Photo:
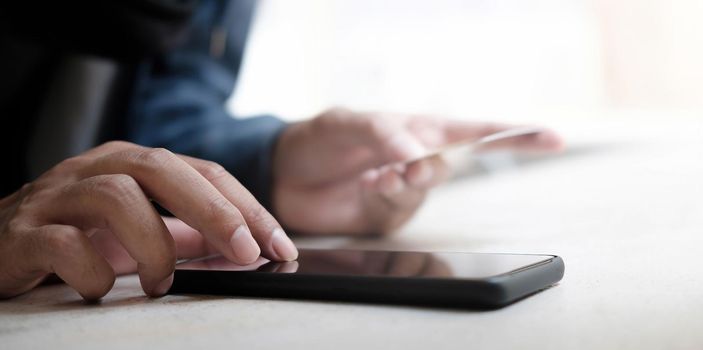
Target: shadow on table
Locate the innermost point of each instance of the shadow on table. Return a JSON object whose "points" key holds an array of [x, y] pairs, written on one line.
{"points": [[61, 298]]}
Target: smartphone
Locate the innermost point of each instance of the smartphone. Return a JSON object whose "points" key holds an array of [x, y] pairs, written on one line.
{"points": [[441, 279]]}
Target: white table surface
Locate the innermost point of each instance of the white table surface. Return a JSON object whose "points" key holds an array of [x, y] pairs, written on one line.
{"points": [[624, 209]]}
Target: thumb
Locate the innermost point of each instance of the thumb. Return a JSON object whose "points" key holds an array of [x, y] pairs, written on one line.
{"points": [[400, 146]]}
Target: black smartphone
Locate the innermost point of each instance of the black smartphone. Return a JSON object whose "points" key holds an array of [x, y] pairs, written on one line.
{"points": [[464, 280]]}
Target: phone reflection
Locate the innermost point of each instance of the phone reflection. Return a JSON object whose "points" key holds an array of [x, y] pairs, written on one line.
{"points": [[339, 262]]}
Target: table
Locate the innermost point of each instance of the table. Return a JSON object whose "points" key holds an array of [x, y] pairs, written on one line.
{"points": [[624, 208]]}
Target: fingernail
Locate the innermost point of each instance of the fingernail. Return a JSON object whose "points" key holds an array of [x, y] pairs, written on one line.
{"points": [[163, 286], [245, 248], [283, 246]]}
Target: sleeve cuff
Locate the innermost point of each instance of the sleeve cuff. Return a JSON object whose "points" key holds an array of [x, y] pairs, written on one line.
{"points": [[248, 154]]}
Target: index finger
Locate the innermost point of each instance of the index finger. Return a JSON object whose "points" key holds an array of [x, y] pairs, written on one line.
{"points": [[178, 187], [460, 131], [266, 230], [274, 243]]}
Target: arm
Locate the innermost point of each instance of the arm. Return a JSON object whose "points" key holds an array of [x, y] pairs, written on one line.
{"points": [[179, 102]]}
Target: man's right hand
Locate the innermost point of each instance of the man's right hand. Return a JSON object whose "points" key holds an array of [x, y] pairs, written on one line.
{"points": [[104, 194]]}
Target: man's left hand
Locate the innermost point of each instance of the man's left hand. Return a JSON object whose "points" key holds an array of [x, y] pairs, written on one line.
{"points": [[330, 175]]}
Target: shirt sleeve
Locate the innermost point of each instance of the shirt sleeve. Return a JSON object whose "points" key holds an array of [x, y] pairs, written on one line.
{"points": [[179, 100]]}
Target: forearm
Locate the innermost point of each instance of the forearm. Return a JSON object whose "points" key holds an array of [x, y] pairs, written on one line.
{"points": [[243, 146], [180, 96]]}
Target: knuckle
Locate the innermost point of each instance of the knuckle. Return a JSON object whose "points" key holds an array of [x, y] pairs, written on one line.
{"points": [[69, 165], [30, 206], [26, 189], [75, 162], [220, 208], [258, 215], [66, 241], [15, 225], [116, 144], [120, 187], [323, 121], [40, 185], [157, 157], [26, 207], [213, 171], [331, 117], [69, 244], [337, 111], [379, 127]]}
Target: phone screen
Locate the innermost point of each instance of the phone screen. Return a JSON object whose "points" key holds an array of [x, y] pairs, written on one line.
{"points": [[382, 263]]}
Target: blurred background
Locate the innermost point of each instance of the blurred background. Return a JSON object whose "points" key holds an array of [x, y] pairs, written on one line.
{"points": [[510, 60]]}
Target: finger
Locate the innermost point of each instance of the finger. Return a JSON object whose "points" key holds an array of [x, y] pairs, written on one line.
{"points": [[390, 183], [116, 203], [418, 174], [369, 178], [397, 192], [400, 145], [67, 252], [113, 251], [385, 134], [190, 243], [458, 131], [427, 173], [178, 187], [272, 240], [390, 202], [544, 141], [109, 148], [239, 247], [393, 198]]}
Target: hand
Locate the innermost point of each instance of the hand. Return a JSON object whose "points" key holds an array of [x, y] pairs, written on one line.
{"points": [[329, 174], [90, 217]]}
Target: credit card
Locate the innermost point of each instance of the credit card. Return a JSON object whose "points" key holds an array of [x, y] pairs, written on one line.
{"points": [[470, 146]]}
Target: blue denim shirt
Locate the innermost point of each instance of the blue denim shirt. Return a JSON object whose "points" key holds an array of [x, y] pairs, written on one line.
{"points": [[179, 99]]}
